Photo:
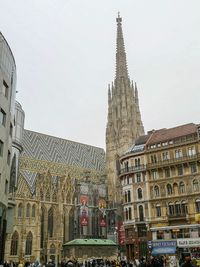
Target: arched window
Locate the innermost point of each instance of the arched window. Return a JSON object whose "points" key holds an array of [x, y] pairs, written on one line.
{"points": [[184, 207], [197, 202], [182, 187], [14, 243], [195, 185], [177, 208], [171, 208], [20, 210], [139, 193], [28, 209], [50, 222], [156, 191], [169, 189], [158, 210], [52, 249], [141, 213], [33, 211], [29, 241], [47, 197]]}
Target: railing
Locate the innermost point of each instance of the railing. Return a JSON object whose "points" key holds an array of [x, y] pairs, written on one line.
{"points": [[132, 169], [176, 216], [173, 161]]}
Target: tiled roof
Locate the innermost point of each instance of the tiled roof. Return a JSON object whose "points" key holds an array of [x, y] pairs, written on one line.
{"points": [[54, 149], [172, 133]]}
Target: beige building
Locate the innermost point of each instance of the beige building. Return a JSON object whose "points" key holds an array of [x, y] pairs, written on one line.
{"points": [[160, 176]]}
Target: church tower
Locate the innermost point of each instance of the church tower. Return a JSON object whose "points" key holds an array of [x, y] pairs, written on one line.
{"points": [[124, 122]]}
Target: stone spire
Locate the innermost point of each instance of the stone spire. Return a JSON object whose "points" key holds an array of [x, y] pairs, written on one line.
{"points": [[124, 124]]}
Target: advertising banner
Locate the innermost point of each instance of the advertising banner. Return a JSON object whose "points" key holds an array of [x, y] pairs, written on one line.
{"points": [[188, 242], [163, 247], [121, 233]]}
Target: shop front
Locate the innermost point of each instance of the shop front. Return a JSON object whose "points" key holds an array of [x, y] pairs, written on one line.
{"points": [[189, 245]]}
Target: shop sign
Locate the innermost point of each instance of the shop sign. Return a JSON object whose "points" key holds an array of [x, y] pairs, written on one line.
{"points": [[163, 247], [188, 242]]}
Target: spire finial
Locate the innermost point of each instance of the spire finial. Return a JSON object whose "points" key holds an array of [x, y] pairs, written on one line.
{"points": [[118, 19]]}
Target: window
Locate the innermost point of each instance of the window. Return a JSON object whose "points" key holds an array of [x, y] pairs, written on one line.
{"points": [[154, 174], [129, 213], [169, 189], [20, 210], [50, 222], [126, 214], [180, 170], [142, 231], [137, 162], [138, 177], [156, 191], [167, 172], [8, 157], [139, 193], [177, 208], [171, 208], [184, 207], [5, 89], [29, 240], [165, 155], [125, 197], [193, 167], [28, 209], [129, 196], [2, 117], [195, 185], [33, 211], [153, 159], [6, 186], [197, 202], [191, 151], [182, 187], [141, 213], [178, 154], [14, 243], [1, 148], [158, 210]]}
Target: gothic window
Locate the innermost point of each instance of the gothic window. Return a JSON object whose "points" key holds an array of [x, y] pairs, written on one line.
{"points": [[141, 213], [54, 197], [42, 229], [52, 249], [171, 208], [197, 202], [156, 191], [50, 222], [33, 211], [41, 194], [177, 208], [28, 208], [158, 210], [184, 207], [29, 241], [195, 185], [20, 210], [139, 193], [182, 187], [14, 243], [169, 189], [47, 197]]}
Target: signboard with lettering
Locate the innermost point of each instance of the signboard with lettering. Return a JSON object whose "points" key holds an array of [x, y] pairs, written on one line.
{"points": [[163, 247], [188, 242]]}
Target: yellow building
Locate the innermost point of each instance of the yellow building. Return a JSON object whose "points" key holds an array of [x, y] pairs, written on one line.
{"points": [[162, 173]]}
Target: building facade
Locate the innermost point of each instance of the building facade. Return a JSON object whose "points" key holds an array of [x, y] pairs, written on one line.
{"points": [[55, 201], [160, 177], [10, 146], [124, 124]]}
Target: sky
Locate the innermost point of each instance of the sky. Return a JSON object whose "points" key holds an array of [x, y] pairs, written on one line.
{"points": [[65, 56]]}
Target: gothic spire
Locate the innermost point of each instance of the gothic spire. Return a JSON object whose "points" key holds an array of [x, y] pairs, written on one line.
{"points": [[121, 64]]}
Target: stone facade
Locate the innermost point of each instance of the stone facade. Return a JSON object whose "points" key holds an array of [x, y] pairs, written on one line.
{"points": [[160, 176], [124, 123]]}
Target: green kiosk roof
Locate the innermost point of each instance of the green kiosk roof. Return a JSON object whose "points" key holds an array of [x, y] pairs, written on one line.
{"points": [[90, 242]]}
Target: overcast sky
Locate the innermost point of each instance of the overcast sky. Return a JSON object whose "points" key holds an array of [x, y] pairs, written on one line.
{"points": [[65, 56]]}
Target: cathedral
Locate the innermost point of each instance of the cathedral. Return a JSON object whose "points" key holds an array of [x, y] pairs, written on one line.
{"points": [[67, 190]]}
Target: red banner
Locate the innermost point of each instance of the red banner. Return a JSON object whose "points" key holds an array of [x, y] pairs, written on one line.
{"points": [[84, 221], [102, 222], [121, 233]]}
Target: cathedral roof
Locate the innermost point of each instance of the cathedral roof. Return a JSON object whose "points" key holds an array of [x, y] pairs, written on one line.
{"points": [[50, 148]]}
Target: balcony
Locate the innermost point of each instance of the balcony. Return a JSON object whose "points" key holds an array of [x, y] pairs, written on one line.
{"points": [[177, 216], [174, 161], [132, 169]]}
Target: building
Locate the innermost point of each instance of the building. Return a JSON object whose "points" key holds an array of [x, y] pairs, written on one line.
{"points": [[160, 175], [54, 198], [124, 123], [10, 146]]}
